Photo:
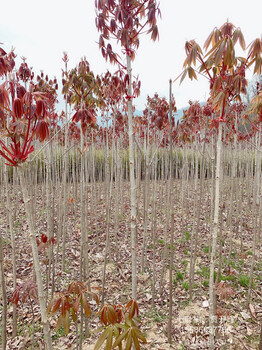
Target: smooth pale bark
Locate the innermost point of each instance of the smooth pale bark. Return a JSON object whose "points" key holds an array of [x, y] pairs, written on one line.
{"points": [[64, 204], [193, 243], [214, 232], [63, 217], [4, 297], [133, 217], [82, 205], [37, 268], [167, 207], [255, 211], [117, 194], [171, 184], [212, 180], [82, 229], [198, 200], [239, 200], [232, 193], [154, 235], [49, 217], [146, 185], [108, 183], [11, 229], [220, 237], [182, 197]]}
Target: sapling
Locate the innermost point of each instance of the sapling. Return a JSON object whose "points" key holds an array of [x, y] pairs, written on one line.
{"points": [[28, 120], [125, 20], [226, 74]]}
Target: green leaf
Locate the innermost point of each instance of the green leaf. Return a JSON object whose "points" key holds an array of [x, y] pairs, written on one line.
{"points": [[128, 322], [135, 339], [219, 53], [129, 341], [58, 323], [99, 329], [140, 335], [213, 48], [120, 338], [258, 65], [101, 339], [74, 315], [238, 36], [229, 58], [66, 322], [191, 73], [183, 76], [109, 339]]}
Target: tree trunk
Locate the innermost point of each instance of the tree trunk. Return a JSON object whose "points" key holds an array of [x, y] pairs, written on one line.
{"points": [[37, 268], [133, 218], [214, 243], [170, 311], [4, 297]]}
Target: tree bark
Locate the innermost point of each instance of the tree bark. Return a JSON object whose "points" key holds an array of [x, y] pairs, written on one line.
{"points": [[132, 179], [214, 243], [37, 268], [4, 297]]}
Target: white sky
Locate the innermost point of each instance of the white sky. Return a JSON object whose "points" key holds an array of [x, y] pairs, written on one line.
{"points": [[42, 30]]}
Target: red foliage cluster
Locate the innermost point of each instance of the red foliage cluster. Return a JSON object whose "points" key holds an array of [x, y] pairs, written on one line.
{"points": [[25, 292], [68, 302], [23, 113]]}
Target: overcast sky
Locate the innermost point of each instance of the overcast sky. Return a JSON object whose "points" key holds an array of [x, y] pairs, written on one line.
{"points": [[42, 30]]}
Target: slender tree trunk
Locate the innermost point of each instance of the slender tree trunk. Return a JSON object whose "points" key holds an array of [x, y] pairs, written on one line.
{"points": [[196, 230], [108, 205], [37, 268], [167, 207], [171, 180], [146, 184], [11, 228], [4, 297], [255, 211], [154, 235], [214, 242], [133, 218], [232, 193]]}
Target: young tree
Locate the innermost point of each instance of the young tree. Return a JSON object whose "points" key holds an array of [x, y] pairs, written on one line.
{"points": [[126, 20], [6, 65], [226, 74], [24, 117]]}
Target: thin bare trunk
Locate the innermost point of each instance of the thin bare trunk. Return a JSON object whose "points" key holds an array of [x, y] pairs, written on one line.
{"points": [[171, 180], [133, 217], [214, 232], [37, 269], [4, 297]]}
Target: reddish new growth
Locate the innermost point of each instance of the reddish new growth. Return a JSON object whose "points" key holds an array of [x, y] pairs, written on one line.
{"points": [[27, 119], [23, 114], [24, 292], [81, 89], [125, 20]]}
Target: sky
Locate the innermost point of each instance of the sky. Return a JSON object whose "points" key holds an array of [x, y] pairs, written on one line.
{"points": [[42, 30]]}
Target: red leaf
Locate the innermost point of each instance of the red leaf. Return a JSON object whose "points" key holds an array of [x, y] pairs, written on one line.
{"points": [[20, 91], [18, 109], [42, 130], [4, 97], [44, 238], [40, 108]]}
